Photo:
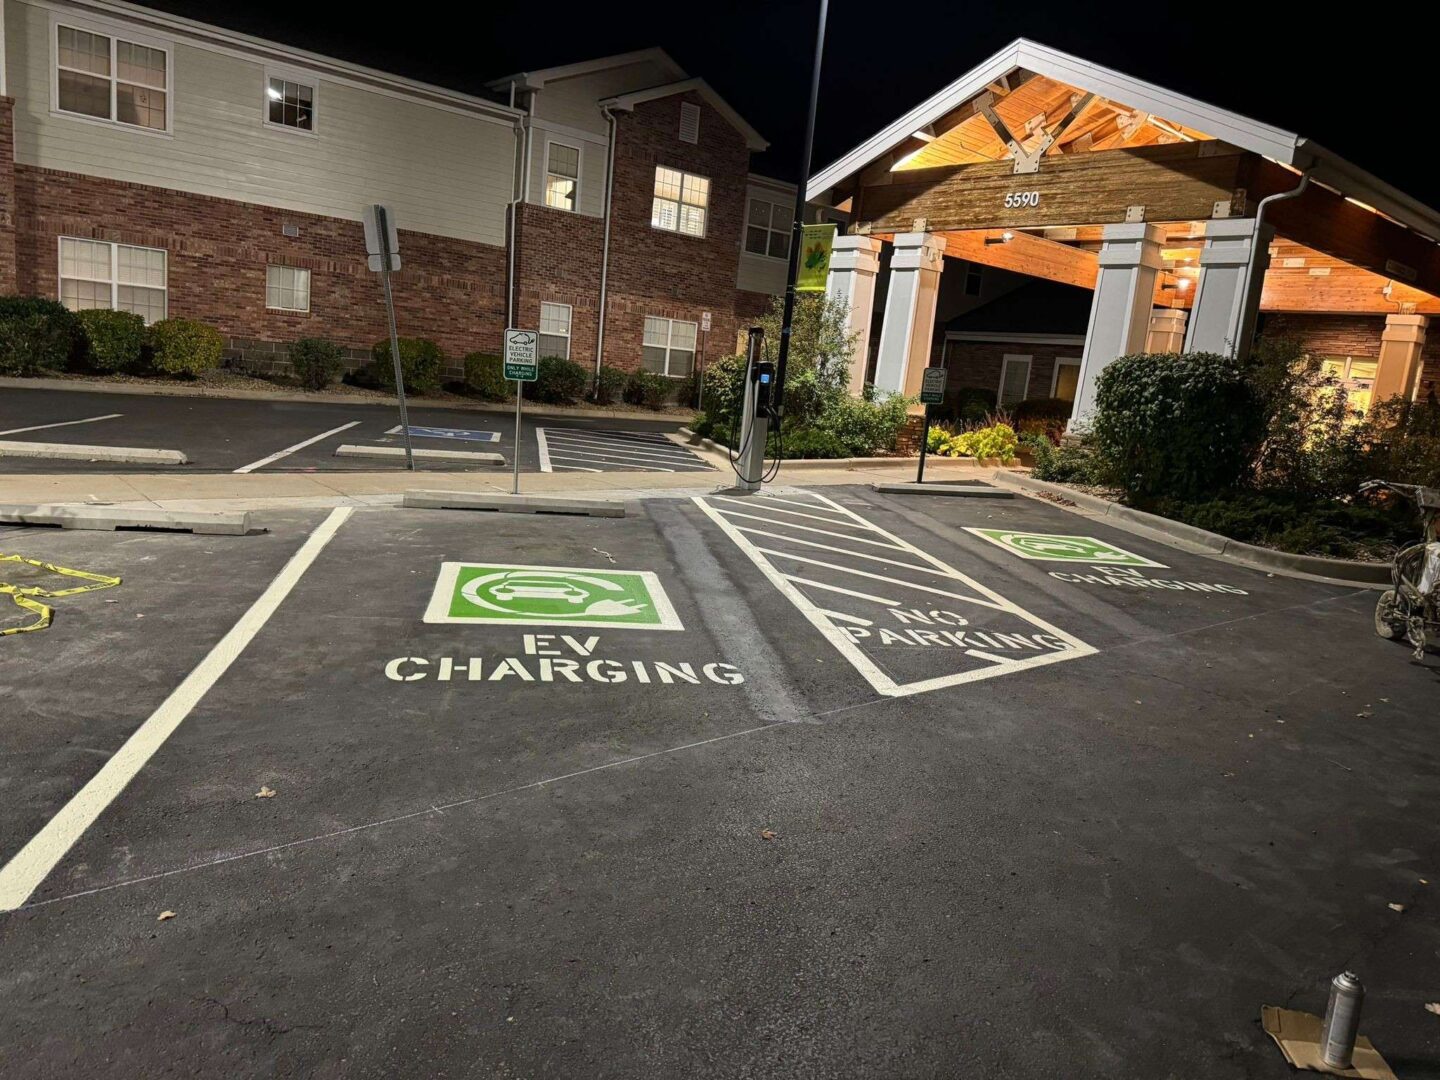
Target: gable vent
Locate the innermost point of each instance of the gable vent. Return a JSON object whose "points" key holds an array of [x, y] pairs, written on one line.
{"points": [[689, 122]]}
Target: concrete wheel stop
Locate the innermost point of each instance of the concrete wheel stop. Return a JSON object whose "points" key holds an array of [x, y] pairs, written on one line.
{"points": [[511, 504], [421, 454], [104, 518], [973, 491]]}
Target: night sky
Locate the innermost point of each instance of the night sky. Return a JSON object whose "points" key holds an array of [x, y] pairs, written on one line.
{"points": [[1360, 85]]}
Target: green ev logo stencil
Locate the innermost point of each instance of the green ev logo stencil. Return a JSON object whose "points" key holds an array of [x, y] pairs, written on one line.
{"points": [[1050, 547], [550, 596]]}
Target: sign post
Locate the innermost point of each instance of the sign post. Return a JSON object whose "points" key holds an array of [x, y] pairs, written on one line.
{"points": [[382, 245], [521, 365], [932, 392]]}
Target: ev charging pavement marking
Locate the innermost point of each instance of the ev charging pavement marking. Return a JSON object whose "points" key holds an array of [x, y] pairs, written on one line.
{"points": [[63, 423], [298, 446], [23, 874], [993, 635], [602, 449]]}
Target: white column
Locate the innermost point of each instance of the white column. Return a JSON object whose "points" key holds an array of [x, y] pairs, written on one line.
{"points": [[854, 262], [1227, 300], [1120, 313], [909, 324], [1167, 330]]}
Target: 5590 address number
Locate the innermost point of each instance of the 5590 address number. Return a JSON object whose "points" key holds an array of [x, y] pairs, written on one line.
{"points": [[1015, 199]]}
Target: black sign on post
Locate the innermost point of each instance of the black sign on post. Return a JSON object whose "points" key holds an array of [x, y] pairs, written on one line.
{"points": [[932, 392]]}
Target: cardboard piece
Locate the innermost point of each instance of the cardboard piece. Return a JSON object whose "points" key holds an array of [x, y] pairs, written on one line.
{"points": [[1298, 1036]]}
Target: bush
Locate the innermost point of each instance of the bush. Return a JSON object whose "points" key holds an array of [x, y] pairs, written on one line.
{"points": [[973, 404], [648, 389], [995, 441], [185, 346], [1188, 426], [863, 425], [317, 362], [115, 340], [560, 382], [813, 443], [36, 333], [703, 426], [610, 386], [1070, 463], [485, 376], [420, 364], [1300, 525]]}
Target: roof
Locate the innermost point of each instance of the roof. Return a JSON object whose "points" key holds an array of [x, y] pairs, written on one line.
{"points": [[1040, 307], [1279, 145], [534, 80], [626, 102]]}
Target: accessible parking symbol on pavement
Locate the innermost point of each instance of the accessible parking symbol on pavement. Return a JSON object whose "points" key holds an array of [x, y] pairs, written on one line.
{"points": [[550, 595], [1054, 547], [462, 434]]}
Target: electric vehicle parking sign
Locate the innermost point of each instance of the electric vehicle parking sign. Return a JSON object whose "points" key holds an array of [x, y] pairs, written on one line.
{"points": [[550, 596]]}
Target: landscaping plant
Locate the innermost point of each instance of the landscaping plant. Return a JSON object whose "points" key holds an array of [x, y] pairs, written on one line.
{"points": [[115, 340], [316, 362], [559, 381], [37, 334], [485, 375], [648, 389], [185, 347], [610, 385], [420, 364]]}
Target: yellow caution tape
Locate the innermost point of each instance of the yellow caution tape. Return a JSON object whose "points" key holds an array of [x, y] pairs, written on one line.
{"points": [[21, 594]]}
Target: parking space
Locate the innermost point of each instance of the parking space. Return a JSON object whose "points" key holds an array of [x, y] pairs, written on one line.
{"points": [[573, 448], [811, 784]]}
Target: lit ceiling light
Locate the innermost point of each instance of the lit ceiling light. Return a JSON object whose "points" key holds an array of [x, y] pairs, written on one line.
{"points": [[1004, 238], [1007, 236], [1184, 283]]}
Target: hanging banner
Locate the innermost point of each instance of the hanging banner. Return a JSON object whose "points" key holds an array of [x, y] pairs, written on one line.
{"points": [[815, 244]]}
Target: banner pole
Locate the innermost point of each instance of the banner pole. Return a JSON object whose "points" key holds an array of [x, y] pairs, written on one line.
{"points": [[515, 482]]}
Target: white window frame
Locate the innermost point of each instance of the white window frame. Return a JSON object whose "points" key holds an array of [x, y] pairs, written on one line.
{"points": [[1028, 360], [669, 340], [681, 203], [114, 281], [115, 32], [788, 230], [1062, 361], [303, 78], [579, 169], [569, 326], [309, 285]]}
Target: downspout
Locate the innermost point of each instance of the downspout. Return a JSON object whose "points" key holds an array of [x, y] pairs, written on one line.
{"points": [[525, 122], [1252, 264], [512, 211], [605, 243]]}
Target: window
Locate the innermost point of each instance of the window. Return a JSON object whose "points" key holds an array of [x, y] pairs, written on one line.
{"points": [[974, 278], [555, 330], [97, 274], [1356, 375], [680, 201], [669, 347], [289, 103], [562, 176], [287, 288], [1014, 380], [1066, 379], [111, 79], [767, 229]]}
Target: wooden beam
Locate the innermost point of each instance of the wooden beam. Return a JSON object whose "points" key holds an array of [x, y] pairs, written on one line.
{"points": [[1174, 182], [1026, 254]]}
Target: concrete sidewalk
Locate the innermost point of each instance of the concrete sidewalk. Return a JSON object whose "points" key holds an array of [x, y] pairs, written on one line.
{"points": [[259, 491]]}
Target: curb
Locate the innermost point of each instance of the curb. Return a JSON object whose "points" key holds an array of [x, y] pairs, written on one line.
{"points": [[480, 457], [950, 490], [512, 504], [121, 455], [109, 518], [321, 397], [829, 463], [1339, 571]]}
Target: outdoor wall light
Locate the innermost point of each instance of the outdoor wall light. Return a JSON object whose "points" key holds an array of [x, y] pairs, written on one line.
{"points": [[1003, 238]]}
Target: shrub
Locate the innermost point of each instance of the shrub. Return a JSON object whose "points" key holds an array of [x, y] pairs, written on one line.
{"points": [[420, 364], [115, 340], [648, 389], [863, 425], [485, 375], [610, 385], [994, 441], [936, 438], [317, 362], [973, 404], [812, 443], [36, 333], [1070, 463], [1052, 408], [1299, 524], [1186, 425], [560, 382], [185, 346]]}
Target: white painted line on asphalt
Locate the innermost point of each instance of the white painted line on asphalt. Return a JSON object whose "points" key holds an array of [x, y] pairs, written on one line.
{"points": [[884, 601], [847, 618], [807, 528], [545, 451], [602, 445], [795, 513], [618, 466], [987, 656], [557, 445], [291, 449], [63, 423], [880, 577], [576, 468], [843, 551], [23, 874]]}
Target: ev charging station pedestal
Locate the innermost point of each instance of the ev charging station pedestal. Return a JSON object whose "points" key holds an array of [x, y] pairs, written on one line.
{"points": [[749, 463]]}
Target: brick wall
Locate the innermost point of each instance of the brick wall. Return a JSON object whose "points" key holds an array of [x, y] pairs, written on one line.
{"points": [[7, 196], [1329, 335], [450, 290], [977, 364]]}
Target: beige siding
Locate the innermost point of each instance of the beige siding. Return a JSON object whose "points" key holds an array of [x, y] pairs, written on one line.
{"points": [[760, 273], [575, 102], [444, 172], [592, 168]]}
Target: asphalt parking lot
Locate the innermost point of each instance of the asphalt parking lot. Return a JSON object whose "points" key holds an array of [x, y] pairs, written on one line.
{"points": [[242, 435], [812, 784]]}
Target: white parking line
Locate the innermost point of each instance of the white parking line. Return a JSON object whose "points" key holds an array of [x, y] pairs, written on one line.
{"points": [[63, 423], [615, 450], [23, 874], [650, 449], [298, 446], [604, 450], [544, 446]]}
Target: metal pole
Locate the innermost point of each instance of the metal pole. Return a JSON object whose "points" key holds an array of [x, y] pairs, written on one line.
{"points": [[399, 371], [924, 444], [515, 481], [796, 230]]}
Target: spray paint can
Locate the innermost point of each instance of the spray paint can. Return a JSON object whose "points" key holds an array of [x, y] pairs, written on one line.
{"points": [[1342, 1020]]}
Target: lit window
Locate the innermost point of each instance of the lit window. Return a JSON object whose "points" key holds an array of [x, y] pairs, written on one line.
{"points": [[290, 104], [287, 288], [555, 330], [97, 274], [669, 347], [680, 201], [562, 176], [111, 79], [767, 229]]}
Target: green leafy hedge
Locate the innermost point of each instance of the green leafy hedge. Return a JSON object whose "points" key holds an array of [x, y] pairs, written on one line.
{"points": [[38, 334], [559, 381], [115, 340], [648, 389], [185, 346], [610, 386], [317, 362], [485, 375], [420, 364]]}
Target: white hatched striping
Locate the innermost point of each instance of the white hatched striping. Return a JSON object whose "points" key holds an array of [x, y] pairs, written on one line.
{"points": [[605, 449]]}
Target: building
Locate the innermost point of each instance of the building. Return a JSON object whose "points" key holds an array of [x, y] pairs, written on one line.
{"points": [[171, 168], [1159, 223]]}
